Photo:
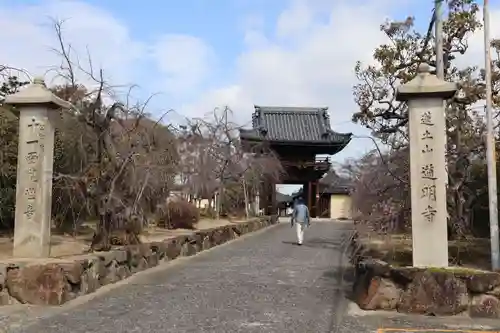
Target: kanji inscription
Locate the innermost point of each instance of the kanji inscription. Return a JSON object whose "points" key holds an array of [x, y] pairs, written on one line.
{"points": [[428, 184], [426, 119], [34, 142], [428, 172], [429, 213]]}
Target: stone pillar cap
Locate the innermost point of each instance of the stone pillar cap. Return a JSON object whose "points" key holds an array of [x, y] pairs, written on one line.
{"points": [[426, 85], [36, 93]]}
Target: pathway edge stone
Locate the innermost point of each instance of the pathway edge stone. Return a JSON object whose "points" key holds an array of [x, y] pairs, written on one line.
{"points": [[56, 281]]}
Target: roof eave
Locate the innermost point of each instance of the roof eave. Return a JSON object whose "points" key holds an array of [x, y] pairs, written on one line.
{"points": [[344, 142], [337, 190]]}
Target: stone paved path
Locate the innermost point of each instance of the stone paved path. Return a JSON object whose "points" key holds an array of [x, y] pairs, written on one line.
{"points": [[260, 283]]}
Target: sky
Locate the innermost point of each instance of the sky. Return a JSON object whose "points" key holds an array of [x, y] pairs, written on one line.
{"points": [[196, 55]]}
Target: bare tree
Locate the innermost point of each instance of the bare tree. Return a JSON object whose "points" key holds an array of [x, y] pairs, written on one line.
{"points": [[131, 160], [395, 63], [215, 162]]}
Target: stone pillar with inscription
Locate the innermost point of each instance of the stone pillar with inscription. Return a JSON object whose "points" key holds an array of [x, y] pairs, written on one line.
{"points": [[425, 95], [37, 107]]}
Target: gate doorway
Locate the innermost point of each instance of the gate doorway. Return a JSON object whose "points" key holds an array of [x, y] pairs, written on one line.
{"points": [[298, 136]]}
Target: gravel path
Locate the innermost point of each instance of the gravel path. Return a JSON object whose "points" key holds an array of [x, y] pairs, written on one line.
{"points": [[261, 283]]}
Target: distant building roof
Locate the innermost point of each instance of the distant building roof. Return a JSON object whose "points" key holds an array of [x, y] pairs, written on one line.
{"points": [[335, 189], [280, 197], [332, 183], [291, 125]]}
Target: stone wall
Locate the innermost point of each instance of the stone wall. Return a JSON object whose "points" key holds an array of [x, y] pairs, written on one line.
{"points": [[56, 281], [427, 291]]}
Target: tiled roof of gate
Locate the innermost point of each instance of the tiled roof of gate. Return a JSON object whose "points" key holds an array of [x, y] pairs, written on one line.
{"points": [[293, 124]]}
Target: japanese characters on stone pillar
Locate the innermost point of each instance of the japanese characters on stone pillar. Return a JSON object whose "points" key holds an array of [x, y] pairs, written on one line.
{"points": [[425, 95], [38, 108]]}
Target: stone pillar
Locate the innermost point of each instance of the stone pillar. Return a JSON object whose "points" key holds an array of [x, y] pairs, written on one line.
{"points": [[425, 95], [37, 109]]}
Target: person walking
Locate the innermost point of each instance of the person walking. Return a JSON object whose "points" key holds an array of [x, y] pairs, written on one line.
{"points": [[301, 219]]}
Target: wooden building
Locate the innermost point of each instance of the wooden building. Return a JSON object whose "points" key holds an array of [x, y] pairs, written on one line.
{"points": [[334, 200], [336, 203], [296, 135], [284, 203]]}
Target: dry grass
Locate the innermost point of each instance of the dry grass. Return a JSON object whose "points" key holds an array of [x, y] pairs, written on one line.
{"points": [[69, 245], [397, 250]]}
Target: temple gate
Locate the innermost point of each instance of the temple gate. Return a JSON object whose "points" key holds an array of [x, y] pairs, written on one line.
{"points": [[296, 135]]}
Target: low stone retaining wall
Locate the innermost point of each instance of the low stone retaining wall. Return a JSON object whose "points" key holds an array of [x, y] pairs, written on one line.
{"points": [[428, 291], [55, 281]]}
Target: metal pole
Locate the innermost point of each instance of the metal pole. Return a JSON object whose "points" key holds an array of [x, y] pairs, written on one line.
{"points": [[490, 144], [438, 35], [438, 26]]}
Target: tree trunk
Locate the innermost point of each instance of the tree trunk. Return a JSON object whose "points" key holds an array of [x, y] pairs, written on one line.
{"points": [[245, 195], [218, 204]]}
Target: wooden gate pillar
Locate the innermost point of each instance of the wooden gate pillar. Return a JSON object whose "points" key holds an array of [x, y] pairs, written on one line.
{"points": [[274, 203], [269, 195], [310, 197], [317, 201], [313, 198]]}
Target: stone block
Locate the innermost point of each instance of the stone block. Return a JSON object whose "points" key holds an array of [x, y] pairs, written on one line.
{"points": [[73, 271], [60, 280], [38, 284], [381, 294], [428, 291], [160, 248], [483, 282], [435, 293], [173, 249], [485, 306]]}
